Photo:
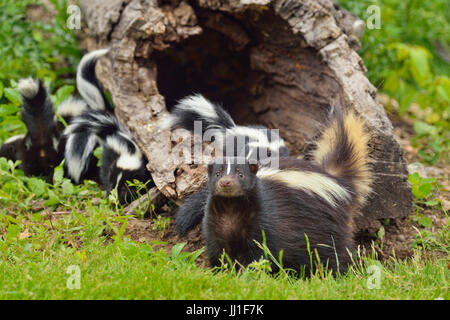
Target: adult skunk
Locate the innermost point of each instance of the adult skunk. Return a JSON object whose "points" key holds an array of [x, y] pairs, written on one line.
{"points": [[256, 143], [304, 208], [38, 149]]}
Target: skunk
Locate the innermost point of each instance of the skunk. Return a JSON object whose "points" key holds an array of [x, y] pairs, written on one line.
{"points": [[96, 125], [300, 205], [82, 164], [45, 146], [121, 159], [252, 142], [257, 142], [38, 149]]}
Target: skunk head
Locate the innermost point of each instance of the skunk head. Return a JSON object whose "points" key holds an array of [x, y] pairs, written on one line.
{"points": [[231, 177], [117, 170]]}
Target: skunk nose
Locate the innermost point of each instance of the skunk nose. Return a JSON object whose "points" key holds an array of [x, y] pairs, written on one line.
{"points": [[225, 183]]}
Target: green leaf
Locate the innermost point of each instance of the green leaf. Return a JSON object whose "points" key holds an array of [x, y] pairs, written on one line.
{"points": [[423, 190], [423, 128], [63, 93], [425, 222], [420, 68], [67, 187], [431, 203], [381, 233], [2, 87], [414, 178], [58, 174], [13, 231], [37, 186], [7, 109], [443, 88], [98, 154], [13, 95], [176, 249], [53, 199]]}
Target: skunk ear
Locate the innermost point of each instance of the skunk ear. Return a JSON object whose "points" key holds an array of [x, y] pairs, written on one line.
{"points": [[253, 168]]}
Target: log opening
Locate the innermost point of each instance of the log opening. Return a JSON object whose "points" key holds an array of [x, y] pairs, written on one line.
{"points": [[262, 75]]}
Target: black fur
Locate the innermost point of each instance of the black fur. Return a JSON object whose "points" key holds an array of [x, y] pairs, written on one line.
{"points": [[191, 213], [38, 151], [112, 176], [286, 215]]}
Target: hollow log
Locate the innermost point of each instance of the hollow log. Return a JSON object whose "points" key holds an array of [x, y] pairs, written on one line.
{"points": [[280, 63]]}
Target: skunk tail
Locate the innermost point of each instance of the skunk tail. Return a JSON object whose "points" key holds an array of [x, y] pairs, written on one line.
{"points": [[37, 113], [87, 83], [343, 152]]}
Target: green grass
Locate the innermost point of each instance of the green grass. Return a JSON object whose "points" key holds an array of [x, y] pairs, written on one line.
{"points": [[135, 271], [46, 228]]}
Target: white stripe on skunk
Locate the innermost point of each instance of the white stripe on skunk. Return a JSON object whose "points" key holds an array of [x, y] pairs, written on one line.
{"points": [[87, 83]]}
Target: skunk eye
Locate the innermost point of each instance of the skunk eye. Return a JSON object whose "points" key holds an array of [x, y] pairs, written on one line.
{"points": [[241, 175]]}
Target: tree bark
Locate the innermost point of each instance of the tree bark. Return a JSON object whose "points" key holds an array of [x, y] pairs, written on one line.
{"points": [[280, 63]]}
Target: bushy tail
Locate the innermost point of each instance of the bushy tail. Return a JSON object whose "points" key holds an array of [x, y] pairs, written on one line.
{"points": [[87, 83], [98, 127], [198, 108], [343, 152], [88, 87], [37, 111]]}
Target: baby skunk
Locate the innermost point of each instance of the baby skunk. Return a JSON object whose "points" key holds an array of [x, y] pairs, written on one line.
{"points": [[251, 142], [259, 142], [96, 125], [121, 160], [80, 160], [297, 200], [38, 149]]}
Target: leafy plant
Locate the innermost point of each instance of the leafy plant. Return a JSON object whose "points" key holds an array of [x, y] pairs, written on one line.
{"points": [[46, 49], [421, 187], [402, 59]]}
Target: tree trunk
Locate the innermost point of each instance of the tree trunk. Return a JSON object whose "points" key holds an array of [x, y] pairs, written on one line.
{"points": [[280, 63]]}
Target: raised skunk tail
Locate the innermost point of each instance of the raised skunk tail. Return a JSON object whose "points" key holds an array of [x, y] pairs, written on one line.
{"points": [[87, 83], [342, 151], [37, 113]]}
